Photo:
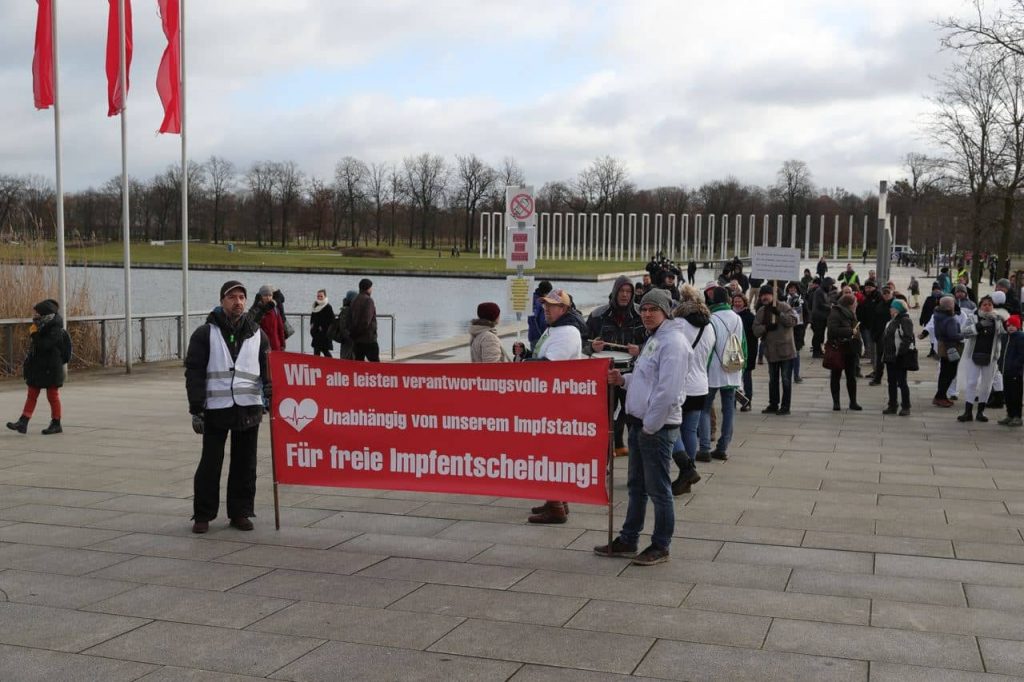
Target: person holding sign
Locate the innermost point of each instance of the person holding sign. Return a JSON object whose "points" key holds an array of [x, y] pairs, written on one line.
{"points": [[562, 340], [227, 381], [773, 324], [654, 411]]}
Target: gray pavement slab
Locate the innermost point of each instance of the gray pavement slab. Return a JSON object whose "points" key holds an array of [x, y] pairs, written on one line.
{"points": [[207, 648], [45, 627], [319, 560], [48, 589], [794, 605], [1002, 655], [385, 664], [920, 590], [203, 607], [709, 663], [21, 664], [637, 591], [568, 648], [179, 573], [491, 604], [990, 597], [177, 674], [445, 572], [413, 547], [950, 619], [328, 587], [896, 672]]}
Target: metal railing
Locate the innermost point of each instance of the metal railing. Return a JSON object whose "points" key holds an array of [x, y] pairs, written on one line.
{"points": [[158, 335]]}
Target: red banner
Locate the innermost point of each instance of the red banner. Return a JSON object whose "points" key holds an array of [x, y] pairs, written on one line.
{"points": [[168, 76], [536, 430], [42, 60], [117, 92]]}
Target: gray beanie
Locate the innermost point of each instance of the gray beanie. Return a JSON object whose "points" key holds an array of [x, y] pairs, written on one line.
{"points": [[660, 298], [1004, 283], [266, 290]]}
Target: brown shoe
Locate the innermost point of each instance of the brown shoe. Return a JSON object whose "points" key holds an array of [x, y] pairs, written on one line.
{"points": [[241, 523], [200, 527], [621, 452], [547, 505], [555, 513]]}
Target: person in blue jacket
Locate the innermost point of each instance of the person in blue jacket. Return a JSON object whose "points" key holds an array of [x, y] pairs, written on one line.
{"points": [[535, 322]]}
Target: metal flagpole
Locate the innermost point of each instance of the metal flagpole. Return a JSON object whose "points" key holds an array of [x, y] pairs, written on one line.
{"points": [[62, 287], [128, 350], [184, 183]]}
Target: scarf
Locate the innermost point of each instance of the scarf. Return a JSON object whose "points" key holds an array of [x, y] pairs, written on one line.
{"points": [[318, 306]]}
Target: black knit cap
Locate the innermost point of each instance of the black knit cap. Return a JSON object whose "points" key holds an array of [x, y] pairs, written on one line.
{"points": [[47, 307], [365, 285], [226, 288]]}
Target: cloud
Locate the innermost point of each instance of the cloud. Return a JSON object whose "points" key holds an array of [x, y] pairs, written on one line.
{"points": [[682, 92]]}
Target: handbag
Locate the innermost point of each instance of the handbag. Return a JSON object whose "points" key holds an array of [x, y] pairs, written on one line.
{"points": [[288, 329], [833, 356]]}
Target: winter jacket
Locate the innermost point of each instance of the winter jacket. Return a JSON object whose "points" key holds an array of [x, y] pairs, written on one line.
{"points": [[947, 329], [691, 317], [484, 344], [928, 308], [840, 327], [773, 324], [898, 339], [44, 365], [821, 303], [614, 323], [536, 323], [985, 337], [726, 323], [1013, 361], [747, 315], [655, 386], [319, 321], [238, 417], [563, 339], [272, 325], [364, 319]]}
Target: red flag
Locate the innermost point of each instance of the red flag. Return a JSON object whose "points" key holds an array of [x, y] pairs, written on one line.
{"points": [[114, 98], [42, 62], [168, 82]]}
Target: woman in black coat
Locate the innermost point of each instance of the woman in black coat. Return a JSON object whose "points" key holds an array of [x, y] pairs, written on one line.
{"points": [[899, 353], [319, 321], [44, 365], [844, 334], [739, 306]]}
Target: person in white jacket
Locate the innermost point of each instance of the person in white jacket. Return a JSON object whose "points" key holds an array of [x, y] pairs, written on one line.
{"points": [[694, 319], [654, 411], [726, 324]]}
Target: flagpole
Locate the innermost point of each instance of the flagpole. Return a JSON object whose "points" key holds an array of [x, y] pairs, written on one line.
{"points": [[184, 185], [62, 288], [128, 345]]}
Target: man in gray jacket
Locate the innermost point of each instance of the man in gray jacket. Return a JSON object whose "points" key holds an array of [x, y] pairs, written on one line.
{"points": [[773, 324], [654, 393]]}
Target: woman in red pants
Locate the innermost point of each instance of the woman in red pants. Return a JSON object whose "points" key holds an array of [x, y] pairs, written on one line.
{"points": [[44, 365]]}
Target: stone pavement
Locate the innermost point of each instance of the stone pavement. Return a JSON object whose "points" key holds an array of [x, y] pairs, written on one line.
{"points": [[831, 546]]}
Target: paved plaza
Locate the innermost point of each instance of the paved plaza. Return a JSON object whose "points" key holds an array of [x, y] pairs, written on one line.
{"points": [[831, 546]]}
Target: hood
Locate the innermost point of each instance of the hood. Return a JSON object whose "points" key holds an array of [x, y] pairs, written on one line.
{"points": [[572, 317], [694, 312], [477, 327], [245, 323], [613, 298]]}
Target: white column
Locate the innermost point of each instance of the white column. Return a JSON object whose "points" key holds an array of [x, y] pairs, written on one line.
{"points": [[698, 228], [725, 236], [807, 236], [764, 231], [778, 230], [684, 236], [558, 234], [821, 237], [751, 229], [835, 238], [606, 225], [645, 235], [865, 232], [620, 233], [849, 240], [709, 254]]}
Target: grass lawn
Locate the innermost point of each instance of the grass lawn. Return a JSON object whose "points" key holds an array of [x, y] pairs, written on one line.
{"points": [[248, 256]]}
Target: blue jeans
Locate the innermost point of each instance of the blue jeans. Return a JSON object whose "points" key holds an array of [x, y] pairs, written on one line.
{"points": [[796, 365], [725, 422], [748, 382], [687, 440], [650, 464], [780, 372]]}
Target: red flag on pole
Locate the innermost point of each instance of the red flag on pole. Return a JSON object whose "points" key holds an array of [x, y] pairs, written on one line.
{"points": [[42, 62], [168, 81], [114, 97]]}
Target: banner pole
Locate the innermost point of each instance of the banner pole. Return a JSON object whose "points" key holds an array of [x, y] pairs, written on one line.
{"points": [[273, 473], [62, 288], [125, 219], [610, 458]]}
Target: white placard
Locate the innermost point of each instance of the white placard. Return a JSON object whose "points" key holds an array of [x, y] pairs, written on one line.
{"points": [[520, 209], [775, 262], [519, 294], [521, 248]]}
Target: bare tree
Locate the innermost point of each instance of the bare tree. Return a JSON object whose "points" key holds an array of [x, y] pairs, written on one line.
{"points": [[604, 185], [965, 126], [350, 182], [475, 180], [288, 186], [11, 188], [396, 190], [320, 202], [260, 180], [793, 186], [1008, 144], [222, 179], [1004, 30], [426, 176], [377, 191]]}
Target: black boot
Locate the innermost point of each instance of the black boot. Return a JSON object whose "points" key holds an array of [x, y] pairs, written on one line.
{"points": [[852, 390], [996, 400], [890, 409], [968, 415], [54, 427], [21, 426], [980, 417]]}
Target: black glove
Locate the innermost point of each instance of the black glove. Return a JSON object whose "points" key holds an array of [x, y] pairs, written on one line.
{"points": [[198, 423]]}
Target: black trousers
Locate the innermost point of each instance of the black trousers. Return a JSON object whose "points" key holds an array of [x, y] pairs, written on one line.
{"points": [[1014, 388], [620, 418], [241, 474], [817, 337], [897, 381], [947, 372], [851, 379], [368, 350]]}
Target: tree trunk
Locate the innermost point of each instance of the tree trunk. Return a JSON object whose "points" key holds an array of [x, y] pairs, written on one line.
{"points": [[1009, 204]]}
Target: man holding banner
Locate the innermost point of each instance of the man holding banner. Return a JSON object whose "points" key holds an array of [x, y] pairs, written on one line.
{"points": [[654, 395]]}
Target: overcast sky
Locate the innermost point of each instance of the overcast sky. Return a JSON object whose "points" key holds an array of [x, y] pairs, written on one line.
{"points": [[683, 92]]}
